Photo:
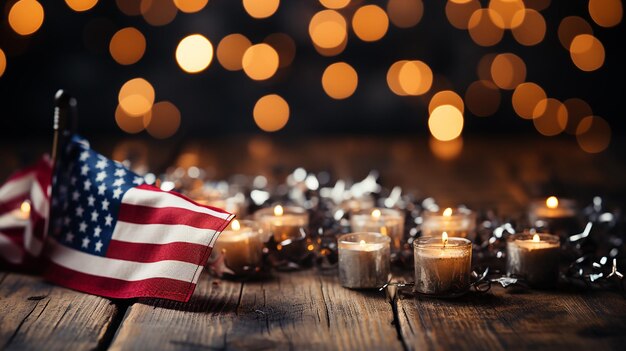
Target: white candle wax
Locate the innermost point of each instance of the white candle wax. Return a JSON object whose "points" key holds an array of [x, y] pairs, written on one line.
{"points": [[459, 222], [242, 247], [364, 260], [386, 221], [534, 258], [282, 222], [442, 270]]}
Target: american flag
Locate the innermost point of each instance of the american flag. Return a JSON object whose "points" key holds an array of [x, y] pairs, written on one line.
{"points": [[114, 236], [23, 214]]}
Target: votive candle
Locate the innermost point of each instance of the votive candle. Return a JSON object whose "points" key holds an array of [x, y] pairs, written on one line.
{"points": [[364, 260], [457, 222], [386, 221], [534, 257], [242, 246]]}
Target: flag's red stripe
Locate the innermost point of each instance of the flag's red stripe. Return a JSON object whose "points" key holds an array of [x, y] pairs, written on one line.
{"points": [[168, 215], [21, 173], [153, 188], [15, 234], [39, 225], [44, 175], [120, 289], [13, 203], [140, 252]]}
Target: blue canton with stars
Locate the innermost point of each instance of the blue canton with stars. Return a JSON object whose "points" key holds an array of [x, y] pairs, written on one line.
{"points": [[86, 196]]}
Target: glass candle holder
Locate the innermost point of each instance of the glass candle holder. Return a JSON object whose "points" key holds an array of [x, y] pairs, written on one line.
{"points": [[282, 222], [242, 246], [559, 216], [534, 257], [442, 265], [458, 222], [386, 221], [364, 260]]}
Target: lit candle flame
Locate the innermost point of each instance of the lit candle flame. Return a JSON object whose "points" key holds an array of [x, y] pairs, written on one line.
{"points": [[278, 210], [444, 238], [362, 243], [536, 238], [25, 207], [376, 214], [447, 212], [552, 202], [235, 225]]}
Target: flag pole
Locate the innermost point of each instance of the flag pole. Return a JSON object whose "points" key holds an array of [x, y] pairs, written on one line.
{"points": [[64, 122]]}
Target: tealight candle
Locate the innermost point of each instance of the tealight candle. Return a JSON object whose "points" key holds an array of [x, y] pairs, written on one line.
{"points": [[459, 222], [534, 258], [22, 213], [380, 220], [557, 215], [364, 260], [283, 223], [442, 265], [242, 246]]}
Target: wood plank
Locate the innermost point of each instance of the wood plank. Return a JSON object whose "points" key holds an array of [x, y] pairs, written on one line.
{"points": [[35, 315], [501, 320], [296, 310]]}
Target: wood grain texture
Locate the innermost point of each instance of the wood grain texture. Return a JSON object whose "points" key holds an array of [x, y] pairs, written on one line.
{"points": [[35, 315], [502, 320], [298, 310]]}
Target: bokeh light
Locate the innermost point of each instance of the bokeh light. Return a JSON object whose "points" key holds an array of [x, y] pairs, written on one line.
{"points": [[194, 53], [506, 14], [129, 124], [587, 52], [190, 6], [483, 30], [532, 29], [328, 29], [284, 45], [459, 13], [81, 5], [482, 98], [606, 13], [26, 17], [3, 62], [550, 117], [570, 27], [136, 97], [415, 77], [332, 51], [393, 78], [370, 23], [127, 46], [340, 80], [483, 70], [538, 5], [593, 134], [335, 4], [261, 8], [526, 97], [158, 12], [129, 7], [446, 150], [577, 110], [445, 123], [405, 13], [260, 61], [230, 51], [164, 120], [508, 71], [271, 113], [446, 97]]}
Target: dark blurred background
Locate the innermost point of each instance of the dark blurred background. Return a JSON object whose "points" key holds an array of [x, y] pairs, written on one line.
{"points": [[71, 50]]}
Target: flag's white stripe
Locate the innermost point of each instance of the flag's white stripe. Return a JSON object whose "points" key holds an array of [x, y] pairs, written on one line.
{"points": [[39, 202], [16, 187], [120, 269], [9, 251], [161, 233], [8, 220], [158, 199]]}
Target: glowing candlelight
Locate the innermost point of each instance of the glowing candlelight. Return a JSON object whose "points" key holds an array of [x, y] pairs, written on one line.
{"points": [[376, 214], [364, 260], [447, 212], [444, 239], [534, 258], [552, 202], [278, 210], [458, 222], [385, 221], [242, 247], [442, 265]]}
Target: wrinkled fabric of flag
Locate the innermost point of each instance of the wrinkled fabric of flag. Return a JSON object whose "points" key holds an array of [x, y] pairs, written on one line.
{"points": [[114, 236]]}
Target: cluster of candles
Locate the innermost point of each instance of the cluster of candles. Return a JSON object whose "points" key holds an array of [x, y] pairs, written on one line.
{"points": [[442, 255]]}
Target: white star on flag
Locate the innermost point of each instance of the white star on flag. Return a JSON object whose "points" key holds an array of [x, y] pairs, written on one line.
{"points": [[119, 182], [91, 200], [69, 237], [101, 189], [99, 246], [102, 164], [105, 205], [100, 176], [108, 219], [79, 211], [116, 193], [94, 216], [83, 227], [84, 170], [97, 231], [84, 155], [75, 195], [138, 180], [120, 172], [87, 184], [86, 242]]}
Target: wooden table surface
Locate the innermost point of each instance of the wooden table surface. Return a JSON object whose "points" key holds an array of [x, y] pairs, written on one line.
{"points": [[310, 310]]}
